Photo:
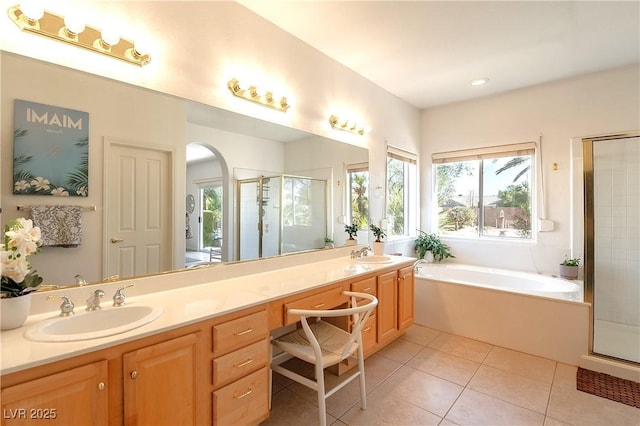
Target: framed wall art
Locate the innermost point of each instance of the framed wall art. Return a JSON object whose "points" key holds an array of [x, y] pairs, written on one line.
{"points": [[50, 150]]}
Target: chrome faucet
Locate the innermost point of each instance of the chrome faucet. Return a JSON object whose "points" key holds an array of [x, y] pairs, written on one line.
{"points": [[66, 307], [118, 298], [360, 253], [80, 281], [93, 302]]}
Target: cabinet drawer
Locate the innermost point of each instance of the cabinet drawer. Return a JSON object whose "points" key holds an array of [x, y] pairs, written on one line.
{"points": [[239, 332], [365, 286], [243, 402], [239, 363], [369, 334], [326, 300]]}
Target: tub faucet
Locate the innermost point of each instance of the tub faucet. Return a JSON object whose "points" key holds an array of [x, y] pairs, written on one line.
{"points": [[93, 302], [360, 253]]}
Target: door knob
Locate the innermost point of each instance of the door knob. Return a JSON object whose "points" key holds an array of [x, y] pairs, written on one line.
{"points": [[116, 240]]}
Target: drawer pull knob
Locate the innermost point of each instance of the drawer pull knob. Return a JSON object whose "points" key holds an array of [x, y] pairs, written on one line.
{"points": [[242, 364], [242, 333], [366, 329], [101, 386], [319, 305], [247, 393], [134, 374], [367, 289]]}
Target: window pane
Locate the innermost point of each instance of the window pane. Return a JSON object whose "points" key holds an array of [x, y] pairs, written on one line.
{"points": [[395, 196], [457, 189], [359, 199], [507, 197]]}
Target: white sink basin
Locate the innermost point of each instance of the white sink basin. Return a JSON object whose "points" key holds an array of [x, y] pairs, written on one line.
{"points": [[376, 258], [92, 325]]}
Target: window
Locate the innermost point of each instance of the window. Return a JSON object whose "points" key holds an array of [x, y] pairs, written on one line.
{"points": [[358, 193], [402, 192], [297, 201], [486, 192]]}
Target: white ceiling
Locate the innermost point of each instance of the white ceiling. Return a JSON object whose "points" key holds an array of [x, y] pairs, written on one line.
{"points": [[427, 52]]}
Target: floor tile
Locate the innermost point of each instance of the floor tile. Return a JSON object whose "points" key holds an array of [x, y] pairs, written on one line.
{"points": [[420, 334], [518, 390], [522, 364], [475, 408], [449, 367], [292, 409], [572, 406], [461, 346], [421, 389], [385, 409], [377, 369], [550, 421], [401, 350]]}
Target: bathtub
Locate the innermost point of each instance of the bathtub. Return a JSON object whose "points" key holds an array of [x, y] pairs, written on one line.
{"points": [[502, 279], [528, 312]]}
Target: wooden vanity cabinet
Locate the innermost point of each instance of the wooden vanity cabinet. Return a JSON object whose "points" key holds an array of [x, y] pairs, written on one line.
{"points": [[395, 303], [77, 396], [161, 383]]}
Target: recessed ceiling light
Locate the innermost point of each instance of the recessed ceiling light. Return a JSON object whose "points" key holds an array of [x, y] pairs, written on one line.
{"points": [[479, 82]]}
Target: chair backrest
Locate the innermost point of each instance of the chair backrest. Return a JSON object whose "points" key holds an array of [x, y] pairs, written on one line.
{"points": [[360, 316]]}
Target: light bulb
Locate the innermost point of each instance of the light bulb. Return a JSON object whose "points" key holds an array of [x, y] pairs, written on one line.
{"points": [[74, 24], [110, 36], [32, 10], [141, 47]]}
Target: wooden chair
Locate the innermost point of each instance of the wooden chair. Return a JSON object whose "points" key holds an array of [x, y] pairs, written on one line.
{"points": [[323, 344]]}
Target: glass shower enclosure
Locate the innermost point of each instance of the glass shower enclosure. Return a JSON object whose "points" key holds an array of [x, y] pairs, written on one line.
{"points": [[280, 214], [612, 243]]}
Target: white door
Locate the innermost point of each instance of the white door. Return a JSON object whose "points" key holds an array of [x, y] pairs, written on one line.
{"points": [[138, 210]]}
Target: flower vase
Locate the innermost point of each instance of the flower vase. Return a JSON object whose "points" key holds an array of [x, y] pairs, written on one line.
{"points": [[14, 311], [351, 242], [378, 248]]}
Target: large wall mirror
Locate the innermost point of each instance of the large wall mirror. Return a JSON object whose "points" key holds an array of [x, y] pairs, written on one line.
{"points": [[191, 193]]}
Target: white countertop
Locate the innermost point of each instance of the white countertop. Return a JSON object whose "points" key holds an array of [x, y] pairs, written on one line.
{"points": [[184, 305]]}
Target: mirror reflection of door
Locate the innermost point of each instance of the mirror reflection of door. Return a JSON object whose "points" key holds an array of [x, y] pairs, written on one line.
{"points": [[138, 223], [205, 180]]}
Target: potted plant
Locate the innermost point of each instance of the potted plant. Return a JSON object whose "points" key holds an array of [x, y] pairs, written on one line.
{"points": [[352, 231], [569, 268], [431, 243], [21, 239], [378, 245], [328, 243]]}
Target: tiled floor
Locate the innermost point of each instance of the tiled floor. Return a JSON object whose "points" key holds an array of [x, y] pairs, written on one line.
{"points": [[432, 378]]}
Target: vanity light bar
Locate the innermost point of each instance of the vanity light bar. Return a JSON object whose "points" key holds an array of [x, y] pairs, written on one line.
{"points": [[346, 125], [53, 26], [251, 94]]}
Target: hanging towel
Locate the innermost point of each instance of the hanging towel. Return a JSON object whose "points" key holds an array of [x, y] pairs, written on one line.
{"points": [[60, 226]]}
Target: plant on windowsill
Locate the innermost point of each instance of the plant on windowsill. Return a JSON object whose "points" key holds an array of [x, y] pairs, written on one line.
{"points": [[378, 245], [431, 243], [352, 231], [21, 239], [569, 268]]}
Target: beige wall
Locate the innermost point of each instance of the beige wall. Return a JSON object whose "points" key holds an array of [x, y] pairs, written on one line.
{"points": [[587, 105]]}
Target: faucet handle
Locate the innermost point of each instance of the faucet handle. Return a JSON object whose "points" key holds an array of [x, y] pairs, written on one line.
{"points": [[118, 298], [66, 307], [93, 302]]}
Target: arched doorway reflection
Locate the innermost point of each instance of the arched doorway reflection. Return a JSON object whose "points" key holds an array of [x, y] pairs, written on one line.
{"points": [[205, 217]]}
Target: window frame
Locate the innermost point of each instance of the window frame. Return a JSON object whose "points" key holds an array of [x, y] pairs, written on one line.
{"points": [[411, 192], [479, 155]]}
